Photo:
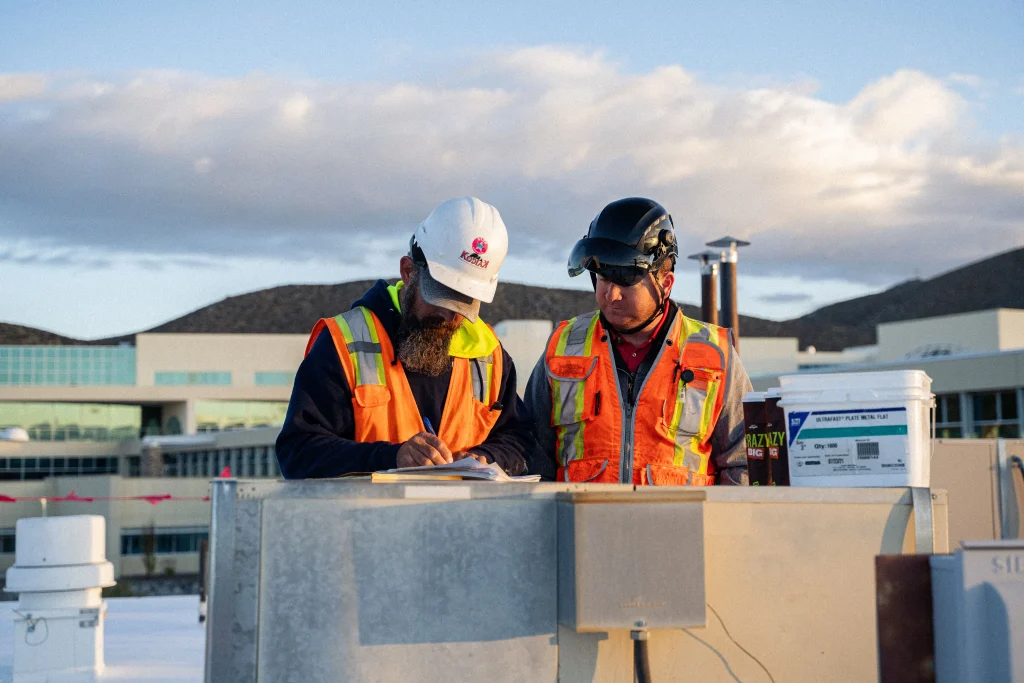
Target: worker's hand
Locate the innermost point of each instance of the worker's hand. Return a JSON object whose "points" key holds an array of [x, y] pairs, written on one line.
{"points": [[423, 449], [470, 454]]}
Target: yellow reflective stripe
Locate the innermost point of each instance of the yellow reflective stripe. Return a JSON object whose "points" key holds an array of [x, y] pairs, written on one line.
{"points": [[378, 357], [567, 432], [705, 421], [346, 332], [677, 414], [581, 396], [589, 343], [691, 326], [563, 337], [488, 379]]}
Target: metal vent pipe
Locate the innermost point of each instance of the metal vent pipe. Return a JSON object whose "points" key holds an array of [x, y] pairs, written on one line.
{"points": [[708, 285], [730, 312]]}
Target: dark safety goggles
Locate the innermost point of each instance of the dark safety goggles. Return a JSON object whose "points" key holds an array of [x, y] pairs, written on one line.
{"points": [[612, 260]]}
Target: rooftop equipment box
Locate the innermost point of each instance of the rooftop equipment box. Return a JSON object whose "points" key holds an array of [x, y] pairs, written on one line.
{"points": [[631, 559]]}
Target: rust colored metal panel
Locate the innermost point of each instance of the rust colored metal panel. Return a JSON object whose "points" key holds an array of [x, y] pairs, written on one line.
{"points": [[906, 640]]}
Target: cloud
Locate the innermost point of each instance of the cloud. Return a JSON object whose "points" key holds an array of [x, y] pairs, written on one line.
{"points": [[21, 86], [164, 162], [969, 80], [785, 298]]}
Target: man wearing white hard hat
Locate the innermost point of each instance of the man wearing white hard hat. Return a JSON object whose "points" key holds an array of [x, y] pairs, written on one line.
{"points": [[410, 375]]}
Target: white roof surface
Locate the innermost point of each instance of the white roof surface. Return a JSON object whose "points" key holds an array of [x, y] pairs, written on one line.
{"points": [[149, 640]]}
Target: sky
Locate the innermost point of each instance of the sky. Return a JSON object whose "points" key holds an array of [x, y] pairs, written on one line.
{"points": [[158, 157]]}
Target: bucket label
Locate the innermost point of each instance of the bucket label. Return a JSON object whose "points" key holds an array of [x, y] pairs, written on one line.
{"points": [[839, 442]]}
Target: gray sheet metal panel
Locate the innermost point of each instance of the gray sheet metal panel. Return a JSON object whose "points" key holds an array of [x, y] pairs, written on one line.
{"points": [[1009, 508], [391, 590], [245, 624], [220, 607], [233, 612]]}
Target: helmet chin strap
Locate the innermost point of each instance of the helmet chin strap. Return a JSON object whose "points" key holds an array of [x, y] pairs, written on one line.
{"points": [[658, 311]]}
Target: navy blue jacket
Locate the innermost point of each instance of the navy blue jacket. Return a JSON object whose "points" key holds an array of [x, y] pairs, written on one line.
{"points": [[317, 438]]}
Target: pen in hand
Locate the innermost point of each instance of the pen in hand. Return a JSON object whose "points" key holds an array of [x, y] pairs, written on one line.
{"points": [[429, 427]]}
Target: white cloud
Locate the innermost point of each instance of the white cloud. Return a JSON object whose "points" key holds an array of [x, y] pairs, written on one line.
{"points": [[969, 80], [890, 182], [21, 86]]}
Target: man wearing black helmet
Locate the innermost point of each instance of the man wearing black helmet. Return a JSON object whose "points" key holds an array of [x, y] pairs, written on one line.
{"points": [[636, 392]]}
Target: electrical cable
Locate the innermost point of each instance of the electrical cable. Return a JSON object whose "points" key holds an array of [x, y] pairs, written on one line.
{"points": [[31, 627], [745, 651], [641, 659]]}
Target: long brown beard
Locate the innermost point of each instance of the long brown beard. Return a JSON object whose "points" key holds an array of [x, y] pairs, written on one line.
{"points": [[422, 343]]}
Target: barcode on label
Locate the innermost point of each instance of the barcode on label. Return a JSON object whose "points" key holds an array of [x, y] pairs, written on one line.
{"points": [[867, 450]]}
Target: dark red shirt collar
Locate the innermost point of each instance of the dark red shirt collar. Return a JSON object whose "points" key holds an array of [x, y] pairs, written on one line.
{"points": [[632, 355]]}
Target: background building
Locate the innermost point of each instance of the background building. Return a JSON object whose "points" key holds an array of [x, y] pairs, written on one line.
{"points": [[975, 360], [167, 415]]}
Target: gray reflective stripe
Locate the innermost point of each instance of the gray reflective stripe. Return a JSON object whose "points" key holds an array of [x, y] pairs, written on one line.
{"points": [[363, 347], [367, 351], [478, 369], [570, 426], [571, 391], [693, 405], [574, 344], [650, 477], [690, 459]]}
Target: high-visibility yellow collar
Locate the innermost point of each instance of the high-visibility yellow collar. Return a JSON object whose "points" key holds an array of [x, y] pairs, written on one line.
{"points": [[471, 340]]}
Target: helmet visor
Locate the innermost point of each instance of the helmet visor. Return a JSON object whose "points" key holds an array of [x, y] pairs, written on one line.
{"points": [[611, 259]]}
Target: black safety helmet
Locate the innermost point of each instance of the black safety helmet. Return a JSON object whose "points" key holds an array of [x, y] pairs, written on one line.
{"points": [[629, 239]]}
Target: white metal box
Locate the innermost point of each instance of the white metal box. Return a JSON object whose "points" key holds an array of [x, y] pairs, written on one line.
{"points": [[978, 608], [631, 560]]}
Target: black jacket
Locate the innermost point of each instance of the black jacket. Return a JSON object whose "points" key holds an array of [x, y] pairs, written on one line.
{"points": [[317, 438]]}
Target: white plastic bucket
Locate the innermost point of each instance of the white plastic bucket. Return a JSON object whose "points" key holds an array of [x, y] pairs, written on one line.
{"points": [[858, 428]]}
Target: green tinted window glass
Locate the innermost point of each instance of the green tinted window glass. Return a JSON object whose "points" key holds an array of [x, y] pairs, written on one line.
{"points": [[221, 415], [73, 421], [274, 379], [67, 366]]}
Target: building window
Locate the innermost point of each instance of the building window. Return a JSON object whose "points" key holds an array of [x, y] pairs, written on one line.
{"points": [[995, 414], [170, 464], [173, 425], [6, 541], [134, 466], [169, 541], [274, 379], [67, 365], [213, 416], [192, 378], [72, 421], [948, 424]]}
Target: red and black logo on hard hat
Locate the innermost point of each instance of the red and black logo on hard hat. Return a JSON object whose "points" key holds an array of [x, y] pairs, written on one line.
{"points": [[474, 260], [480, 245]]}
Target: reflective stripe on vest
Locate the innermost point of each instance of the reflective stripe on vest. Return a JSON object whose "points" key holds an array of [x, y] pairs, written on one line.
{"points": [[673, 421], [383, 406], [568, 397], [363, 345], [483, 373]]}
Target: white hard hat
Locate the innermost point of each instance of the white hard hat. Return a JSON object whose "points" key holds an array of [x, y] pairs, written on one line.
{"points": [[464, 243]]}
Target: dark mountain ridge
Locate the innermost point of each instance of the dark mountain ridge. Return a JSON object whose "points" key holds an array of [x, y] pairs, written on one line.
{"points": [[996, 282]]}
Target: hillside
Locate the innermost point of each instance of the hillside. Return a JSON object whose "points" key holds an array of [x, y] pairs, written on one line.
{"points": [[19, 335], [991, 283], [294, 308], [995, 282]]}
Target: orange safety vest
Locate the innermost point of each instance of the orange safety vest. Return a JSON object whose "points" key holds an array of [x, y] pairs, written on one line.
{"points": [[666, 438], [382, 401]]}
